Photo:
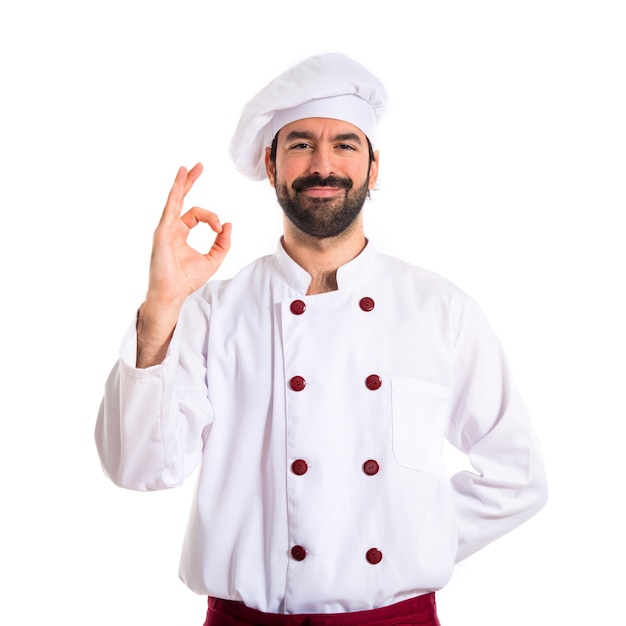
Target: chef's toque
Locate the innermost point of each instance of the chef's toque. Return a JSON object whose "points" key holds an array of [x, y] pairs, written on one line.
{"points": [[329, 85]]}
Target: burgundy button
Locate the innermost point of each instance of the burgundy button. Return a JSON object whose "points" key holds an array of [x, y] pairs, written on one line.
{"points": [[297, 383], [374, 556], [297, 307], [367, 304], [373, 382], [371, 467], [299, 467], [299, 553]]}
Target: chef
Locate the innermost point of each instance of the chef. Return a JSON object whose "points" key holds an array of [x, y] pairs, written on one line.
{"points": [[316, 387]]}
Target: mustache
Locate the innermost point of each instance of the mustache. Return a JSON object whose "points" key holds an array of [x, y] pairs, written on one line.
{"points": [[315, 180]]}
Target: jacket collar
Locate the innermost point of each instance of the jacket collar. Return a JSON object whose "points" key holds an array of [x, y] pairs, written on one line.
{"points": [[349, 275]]}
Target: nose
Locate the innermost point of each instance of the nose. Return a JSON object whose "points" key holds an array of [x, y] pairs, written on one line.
{"points": [[322, 162]]}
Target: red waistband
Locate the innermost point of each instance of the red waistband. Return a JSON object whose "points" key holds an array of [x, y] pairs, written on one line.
{"points": [[421, 610]]}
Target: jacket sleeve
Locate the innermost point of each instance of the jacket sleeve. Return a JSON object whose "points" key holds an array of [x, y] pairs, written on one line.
{"points": [[490, 423], [152, 422]]}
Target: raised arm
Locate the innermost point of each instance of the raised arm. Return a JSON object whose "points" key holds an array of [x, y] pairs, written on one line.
{"points": [[176, 269]]}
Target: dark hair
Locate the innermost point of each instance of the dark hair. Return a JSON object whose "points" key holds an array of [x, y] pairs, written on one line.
{"points": [[274, 147]]}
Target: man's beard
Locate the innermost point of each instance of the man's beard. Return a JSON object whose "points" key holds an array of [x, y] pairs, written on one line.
{"points": [[322, 217]]}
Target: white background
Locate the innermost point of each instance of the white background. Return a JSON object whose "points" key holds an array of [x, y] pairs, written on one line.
{"points": [[503, 156]]}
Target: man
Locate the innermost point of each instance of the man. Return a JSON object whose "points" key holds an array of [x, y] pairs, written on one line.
{"points": [[315, 388]]}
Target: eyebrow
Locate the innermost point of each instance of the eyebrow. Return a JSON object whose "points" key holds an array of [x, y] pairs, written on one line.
{"points": [[302, 134]]}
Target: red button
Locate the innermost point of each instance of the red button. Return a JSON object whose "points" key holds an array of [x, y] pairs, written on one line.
{"points": [[299, 467], [367, 304], [374, 556], [298, 553], [297, 307], [297, 383], [371, 467], [373, 382]]}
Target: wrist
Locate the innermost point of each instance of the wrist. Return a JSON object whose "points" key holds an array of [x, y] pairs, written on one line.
{"points": [[155, 327]]}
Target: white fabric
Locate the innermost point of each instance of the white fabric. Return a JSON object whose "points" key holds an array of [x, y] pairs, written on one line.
{"points": [[310, 83], [221, 398], [349, 108]]}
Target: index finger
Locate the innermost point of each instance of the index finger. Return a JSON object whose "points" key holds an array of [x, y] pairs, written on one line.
{"points": [[182, 184]]}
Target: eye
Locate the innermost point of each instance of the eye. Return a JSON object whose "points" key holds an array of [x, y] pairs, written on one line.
{"points": [[345, 146], [299, 146]]}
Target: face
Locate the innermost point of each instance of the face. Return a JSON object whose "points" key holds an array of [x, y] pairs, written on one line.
{"points": [[322, 175]]}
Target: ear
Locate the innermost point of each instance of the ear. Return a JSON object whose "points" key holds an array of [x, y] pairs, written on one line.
{"points": [[270, 168], [373, 171]]}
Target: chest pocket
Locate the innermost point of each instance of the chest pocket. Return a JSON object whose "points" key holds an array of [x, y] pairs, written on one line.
{"points": [[418, 415]]}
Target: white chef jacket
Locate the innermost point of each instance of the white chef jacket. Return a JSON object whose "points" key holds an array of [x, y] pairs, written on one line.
{"points": [[318, 422]]}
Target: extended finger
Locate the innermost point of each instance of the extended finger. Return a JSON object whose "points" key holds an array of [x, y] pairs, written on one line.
{"points": [[182, 184], [192, 176]]}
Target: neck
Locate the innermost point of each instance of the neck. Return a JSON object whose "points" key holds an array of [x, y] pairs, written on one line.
{"points": [[322, 257]]}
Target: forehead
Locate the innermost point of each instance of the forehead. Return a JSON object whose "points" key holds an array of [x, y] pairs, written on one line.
{"points": [[321, 128]]}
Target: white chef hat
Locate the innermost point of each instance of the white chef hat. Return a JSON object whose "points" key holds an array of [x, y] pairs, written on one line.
{"points": [[328, 85]]}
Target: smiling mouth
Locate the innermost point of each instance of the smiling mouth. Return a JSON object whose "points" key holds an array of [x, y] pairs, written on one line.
{"points": [[321, 192]]}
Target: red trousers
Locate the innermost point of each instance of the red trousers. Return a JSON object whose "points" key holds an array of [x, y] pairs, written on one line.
{"points": [[420, 611]]}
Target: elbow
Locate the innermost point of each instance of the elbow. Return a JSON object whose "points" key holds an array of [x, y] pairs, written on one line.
{"points": [[118, 473], [532, 495], [109, 448], [123, 478]]}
